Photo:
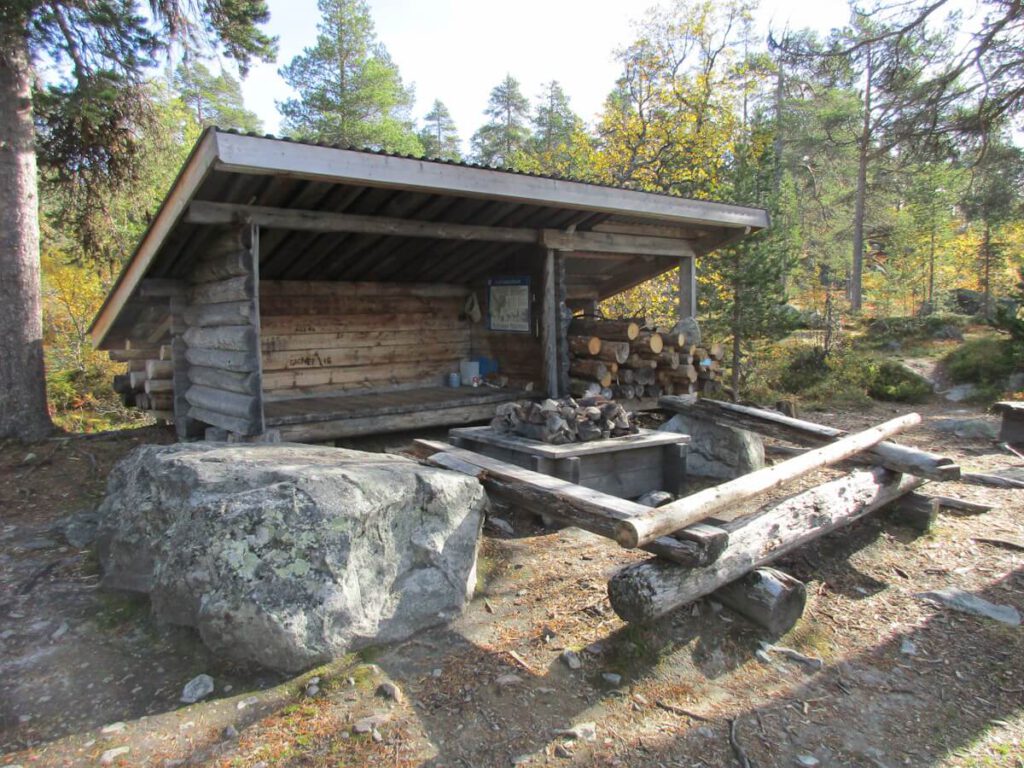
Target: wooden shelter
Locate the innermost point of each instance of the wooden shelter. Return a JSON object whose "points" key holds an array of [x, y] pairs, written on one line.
{"points": [[307, 292]]}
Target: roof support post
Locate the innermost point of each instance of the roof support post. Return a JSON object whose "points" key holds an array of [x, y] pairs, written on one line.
{"points": [[687, 287], [549, 324]]}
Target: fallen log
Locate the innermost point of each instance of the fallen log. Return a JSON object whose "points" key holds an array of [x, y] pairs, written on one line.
{"points": [[992, 481], [769, 598], [650, 589], [899, 458], [692, 509], [571, 504]]}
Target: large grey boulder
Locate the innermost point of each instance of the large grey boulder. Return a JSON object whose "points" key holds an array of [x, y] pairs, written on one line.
{"points": [[289, 555], [718, 452]]}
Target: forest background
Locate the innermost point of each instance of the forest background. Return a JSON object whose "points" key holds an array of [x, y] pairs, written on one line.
{"points": [[887, 153]]}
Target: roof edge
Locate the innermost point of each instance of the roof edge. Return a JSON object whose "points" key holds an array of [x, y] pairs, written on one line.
{"points": [[249, 153], [197, 166]]}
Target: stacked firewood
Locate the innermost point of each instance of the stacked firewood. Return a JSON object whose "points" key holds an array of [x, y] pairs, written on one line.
{"points": [[564, 421], [627, 359], [149, 384]]}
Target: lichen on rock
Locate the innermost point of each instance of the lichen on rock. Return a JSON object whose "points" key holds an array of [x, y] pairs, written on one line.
{"points": [[288, 555]]}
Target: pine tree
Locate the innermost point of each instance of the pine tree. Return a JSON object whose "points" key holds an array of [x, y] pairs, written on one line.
{"points": [[439, 137], [214, 99], [560, 144], [349, 90], [503, 140], [88, 118]]}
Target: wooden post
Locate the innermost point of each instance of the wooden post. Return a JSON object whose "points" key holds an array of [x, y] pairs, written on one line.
{"points": [[687, 287], [254, 250], [549, 325], [643, 529]]}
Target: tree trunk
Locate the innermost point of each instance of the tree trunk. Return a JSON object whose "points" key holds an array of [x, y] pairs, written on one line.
{"points": [[863, 149], [23, 411]]}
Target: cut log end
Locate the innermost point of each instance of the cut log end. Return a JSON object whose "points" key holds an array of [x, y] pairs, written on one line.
{"points": [[769, 598]]}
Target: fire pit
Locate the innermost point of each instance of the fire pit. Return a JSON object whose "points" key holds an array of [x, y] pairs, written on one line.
{"points": [[627, 466]]}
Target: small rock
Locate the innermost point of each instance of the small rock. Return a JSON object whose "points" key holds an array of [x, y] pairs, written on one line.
{"points": [[312, 690], [595, 649], [314, 680], [504, 681], [389, 690], [60, 631], [197, 689], [655, 499], [502, 525], [612, 679], [79, 530], [435, 673], [29, 458], [960, 392], [369, 724], [571, 659], [580, 732], [968, 428], [959, 600], [547, 634], [376, 736], [110, 756], [230, 732], [247, 702], [809, 761], [117, 727], [34, 545], [908, 647]]}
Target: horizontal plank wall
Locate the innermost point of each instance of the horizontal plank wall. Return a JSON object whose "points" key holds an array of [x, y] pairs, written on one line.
{"points": [[221, 337], [322, 337]]}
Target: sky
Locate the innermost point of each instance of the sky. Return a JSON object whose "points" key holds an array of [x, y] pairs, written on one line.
{"points": [[458, 50]]}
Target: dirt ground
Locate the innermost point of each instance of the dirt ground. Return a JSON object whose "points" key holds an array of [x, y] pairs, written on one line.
{"points": [[903, 682]]}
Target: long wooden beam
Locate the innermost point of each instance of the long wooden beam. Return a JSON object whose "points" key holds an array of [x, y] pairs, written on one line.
{"points": [[642, 529], [201, 212], [899, 458], [608, 242], [572, 504]]}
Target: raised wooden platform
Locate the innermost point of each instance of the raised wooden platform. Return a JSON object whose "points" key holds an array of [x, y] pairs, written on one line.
{"points": [[328, 418], [627, 466]]}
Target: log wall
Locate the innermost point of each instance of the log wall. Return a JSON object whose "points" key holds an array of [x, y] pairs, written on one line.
{"points": [[220, 339], [320, 337]]}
